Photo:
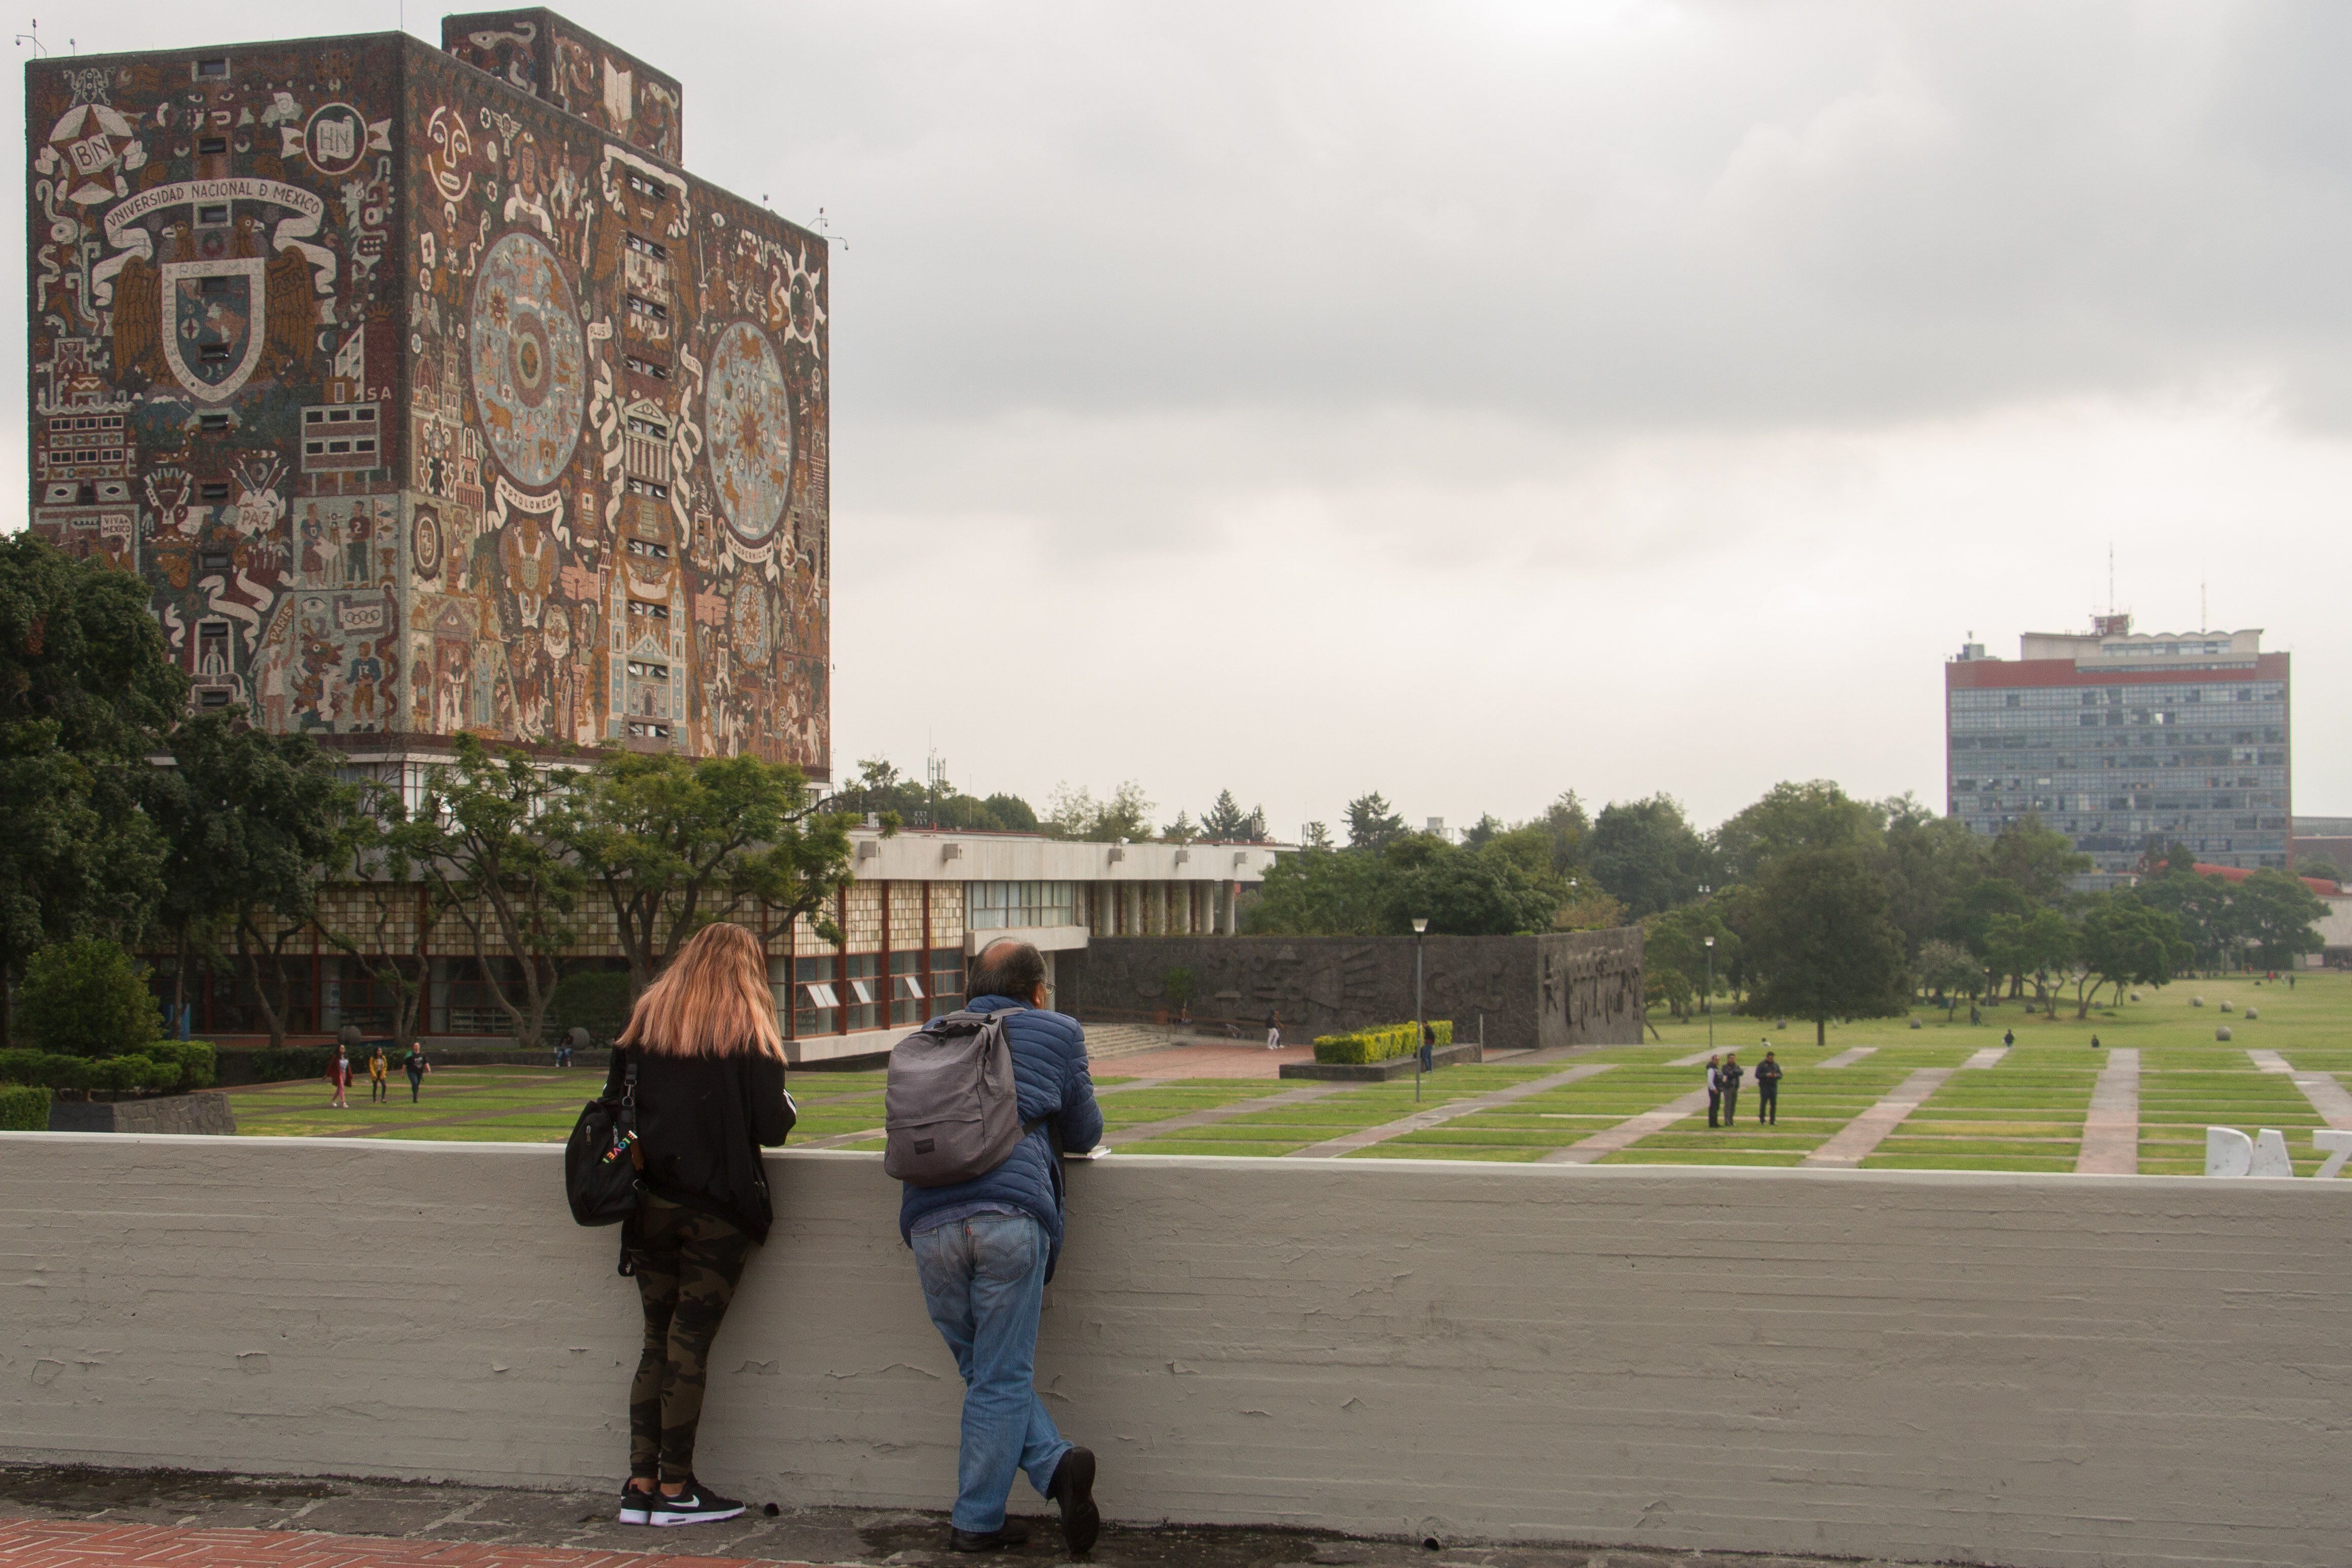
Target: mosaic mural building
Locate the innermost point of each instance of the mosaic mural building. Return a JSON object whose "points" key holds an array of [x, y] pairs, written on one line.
{"points": [[429, 394]]}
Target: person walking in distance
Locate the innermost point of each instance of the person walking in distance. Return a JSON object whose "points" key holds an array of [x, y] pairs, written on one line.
{"points": [[1714, 1091], [984, 1248], [2007, 1038], [417, 1067], [1768, 1092], [1274, 1031], [709, 1092], [1729, 1078], [379, 1072]]}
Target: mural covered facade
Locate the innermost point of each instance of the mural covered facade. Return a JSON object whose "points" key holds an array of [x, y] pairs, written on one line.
{"points": [[430, 395]]}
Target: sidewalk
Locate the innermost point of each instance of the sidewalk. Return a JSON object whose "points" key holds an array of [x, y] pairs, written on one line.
{"points": [[59, 1517]]}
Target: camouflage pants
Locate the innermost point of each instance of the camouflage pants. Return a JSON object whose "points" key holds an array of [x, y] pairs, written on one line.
{"points": [[688, 1263]]}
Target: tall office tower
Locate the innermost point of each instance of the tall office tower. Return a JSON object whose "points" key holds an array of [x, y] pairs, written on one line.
{"points": [[2123, 740], [429, 394]]}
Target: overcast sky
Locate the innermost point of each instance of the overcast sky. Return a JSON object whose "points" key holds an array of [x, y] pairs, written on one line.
{"points": [[1475, 402]]}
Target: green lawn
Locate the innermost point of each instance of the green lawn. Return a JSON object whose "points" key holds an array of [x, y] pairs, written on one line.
{"points": [[2024, 1112]]}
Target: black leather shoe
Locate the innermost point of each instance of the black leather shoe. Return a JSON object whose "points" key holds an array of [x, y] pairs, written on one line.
{"points": [[1012, 1533], [1073, 1488]]}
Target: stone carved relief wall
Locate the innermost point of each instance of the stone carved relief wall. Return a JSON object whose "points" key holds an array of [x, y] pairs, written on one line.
{"points": [[1572, 988]]}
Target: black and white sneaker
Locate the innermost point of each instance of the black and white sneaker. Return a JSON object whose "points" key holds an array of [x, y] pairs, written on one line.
{"points": [[698, 1504], [637, 1503]]}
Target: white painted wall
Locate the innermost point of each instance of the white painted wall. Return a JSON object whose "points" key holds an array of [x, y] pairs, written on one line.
{"points": [[2021, 1369]]}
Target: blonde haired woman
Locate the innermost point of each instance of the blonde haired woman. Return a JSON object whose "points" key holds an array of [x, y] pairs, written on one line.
{"points": [[709, 1090]]}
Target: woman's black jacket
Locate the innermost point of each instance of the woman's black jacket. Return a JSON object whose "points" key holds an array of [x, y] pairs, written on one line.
{"points": [[700, 1122]]}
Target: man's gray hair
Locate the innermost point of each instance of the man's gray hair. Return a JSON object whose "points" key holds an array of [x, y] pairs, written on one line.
{"points": [[1008, 968]]}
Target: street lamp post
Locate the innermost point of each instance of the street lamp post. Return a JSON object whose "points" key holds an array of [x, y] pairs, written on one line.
{"points": [[1710, 993], [1421, 1057]]}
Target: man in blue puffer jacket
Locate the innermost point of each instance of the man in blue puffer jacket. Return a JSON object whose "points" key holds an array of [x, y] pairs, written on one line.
{"points": [[985, 1248]]}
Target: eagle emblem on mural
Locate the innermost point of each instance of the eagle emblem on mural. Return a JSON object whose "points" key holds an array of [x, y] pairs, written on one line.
{"points": [[211, 320]]}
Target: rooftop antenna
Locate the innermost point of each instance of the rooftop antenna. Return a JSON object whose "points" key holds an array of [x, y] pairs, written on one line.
{"points": [[34, 38], [825, 227], [2111, 576]]}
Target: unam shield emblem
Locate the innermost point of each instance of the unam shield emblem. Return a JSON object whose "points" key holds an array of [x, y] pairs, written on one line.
{"points": [[212, 324]]}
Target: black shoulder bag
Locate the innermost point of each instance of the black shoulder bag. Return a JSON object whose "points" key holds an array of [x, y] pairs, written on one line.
{"points": [[600, 1161]]}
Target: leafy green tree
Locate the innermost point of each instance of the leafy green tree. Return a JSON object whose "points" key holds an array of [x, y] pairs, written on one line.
{"points": [[1675, 957], [1967, 916], [1818, 941], [1929, 862], [87, 997], [2277, 916], [1793, 817], [1950, 971], [2125, 943], [387, 896], [1124, 818], [86, 692], [1372, 824], [1459, 892], [1318, 835], [1227, 823], [1483, 831], [1183, 830], [2320, 866], [2037, 858], [256, 824], [675, 845], [1645, 853], [879, 787], [1319, 891], [2031, 944], [2200, 905], [491, 840]]}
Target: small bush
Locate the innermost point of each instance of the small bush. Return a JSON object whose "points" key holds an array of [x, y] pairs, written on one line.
{"points": [[1382, 1043], [24, 1108], [596, 1000], [194, 1062], [288, 1063], [87, 998], [41, 1068]]}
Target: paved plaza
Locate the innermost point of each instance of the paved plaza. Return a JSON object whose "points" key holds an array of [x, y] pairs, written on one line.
{"points": [[1876, 1096], [54, 1517]]}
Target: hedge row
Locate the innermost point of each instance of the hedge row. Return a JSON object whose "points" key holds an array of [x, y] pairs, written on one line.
{"points": [[1382, 1043], [160, 1066], [24, 1108], [287, 1063]]}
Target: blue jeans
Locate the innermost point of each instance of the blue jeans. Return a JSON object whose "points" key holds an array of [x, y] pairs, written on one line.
{"points": [[984, 1283]]}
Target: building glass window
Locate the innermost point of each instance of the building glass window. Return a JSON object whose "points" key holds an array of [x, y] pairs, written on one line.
{"points": [[947, 980], [816, 997], [863, 990], [1012, 906], [909, 990]]}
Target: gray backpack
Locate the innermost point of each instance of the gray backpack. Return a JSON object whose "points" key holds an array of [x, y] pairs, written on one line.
{"points": [[949, 1110]]}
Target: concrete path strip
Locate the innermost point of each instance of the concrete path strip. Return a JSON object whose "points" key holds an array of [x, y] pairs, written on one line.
{"points": [[1855, 1140], [2269, 1061], [2111, 1130], [1631, 1130], [1988, 1058], [1847, 1059], [1143, 1130], [1437, 1115], [2327, 1097], [1692, 1059]]}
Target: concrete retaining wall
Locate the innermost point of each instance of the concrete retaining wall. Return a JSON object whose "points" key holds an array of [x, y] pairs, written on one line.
{"points": [[208, 1112], [2019, 1370]]}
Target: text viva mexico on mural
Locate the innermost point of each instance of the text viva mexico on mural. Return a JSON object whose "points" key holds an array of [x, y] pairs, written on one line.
{"points": [[428, 394]]}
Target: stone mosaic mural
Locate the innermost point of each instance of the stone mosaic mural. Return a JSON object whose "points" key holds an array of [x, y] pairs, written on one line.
{"points": [[429, 397]]}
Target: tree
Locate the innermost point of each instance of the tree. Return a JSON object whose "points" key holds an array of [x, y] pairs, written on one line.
{"points": [[1676, 959], [1319, 891], [2200, 906], [1792, 816], [1818, 941], [2321, 868], [1645, 853], [256, 825], [386, 894], [1372, 824], [87, 692], [879, 788], [1481, 831], [675, 845], [1460, 892], [87, 997], [1318, 835], [489, 838], [2033, 944], [2277, 916], [1124, 818], [1950, 971], [1227, 823], [2037, 858], [1929, 860], [1183, 830], [1967, 916], [2125, 943]]}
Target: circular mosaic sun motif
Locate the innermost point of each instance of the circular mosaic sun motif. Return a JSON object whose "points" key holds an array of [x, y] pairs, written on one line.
{"points": [[529, 360], [750, 417], [750, 618]]}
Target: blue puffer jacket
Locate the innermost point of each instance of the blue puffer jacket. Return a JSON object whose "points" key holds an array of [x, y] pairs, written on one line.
{"points": [[1049, 1072]]}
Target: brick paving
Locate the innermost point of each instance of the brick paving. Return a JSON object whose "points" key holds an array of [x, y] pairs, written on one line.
{"points": [[80, 1517]]}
